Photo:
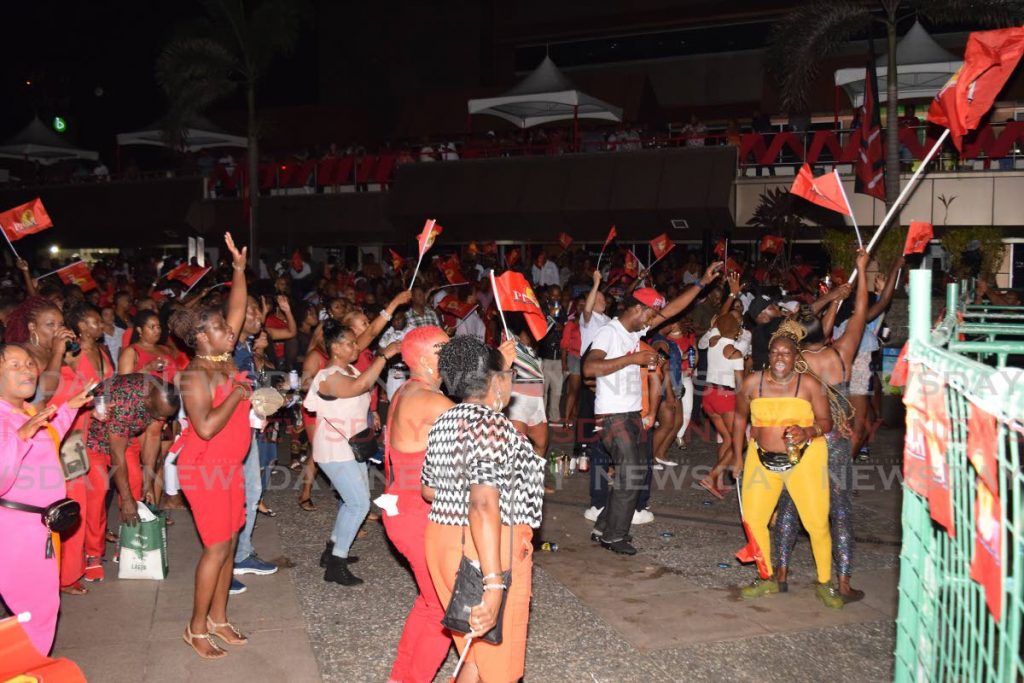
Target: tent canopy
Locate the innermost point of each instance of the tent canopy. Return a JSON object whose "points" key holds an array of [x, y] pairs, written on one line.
{"points": [[544, 96], [36, 142], [924, 66], [199, 134]]}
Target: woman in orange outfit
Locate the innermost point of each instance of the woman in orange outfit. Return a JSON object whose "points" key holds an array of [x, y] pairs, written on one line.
{"points": [[215, 444]]}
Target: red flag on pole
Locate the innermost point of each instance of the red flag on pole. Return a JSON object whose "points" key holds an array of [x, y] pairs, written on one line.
{"points": [[564, 240], [918, 236], [77, 274], [632, 265], [453, 305], [397, 262], [426, 238], [719, 249], [24, 220], [869, 169], [187, 274], [986, 565], [989, 60], [771, 244], [514, 293], [661, 245], [608, 240], [823, 191], [452, 270]]}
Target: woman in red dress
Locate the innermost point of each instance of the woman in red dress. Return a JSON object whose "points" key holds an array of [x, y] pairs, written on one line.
{"points": [[216, 443]]}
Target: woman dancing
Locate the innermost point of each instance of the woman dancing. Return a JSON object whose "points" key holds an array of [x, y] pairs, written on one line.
{"points": [[210, 463]]}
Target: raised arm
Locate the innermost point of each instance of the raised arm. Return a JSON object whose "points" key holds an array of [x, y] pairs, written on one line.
{"points": [[588, 306], [289, 319], [30, 282], [885, 298], [734, 291], [381, 321], [338, 385], [239, 296], [849, 343], [835, 294], [679, 304]]}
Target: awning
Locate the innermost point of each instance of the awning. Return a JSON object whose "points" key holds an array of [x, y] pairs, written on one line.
{"points": [[36, 142], [199, 134]]}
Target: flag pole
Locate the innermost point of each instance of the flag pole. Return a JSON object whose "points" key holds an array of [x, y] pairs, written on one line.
{"points": [[185, 293], [54, 272], [415, 272], [10, 244], [903, 195], [856, 230], [497, 304]]}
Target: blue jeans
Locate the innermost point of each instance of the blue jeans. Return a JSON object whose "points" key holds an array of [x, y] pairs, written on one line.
{"points": [[253, 491], [268, 454], [352, 483]]}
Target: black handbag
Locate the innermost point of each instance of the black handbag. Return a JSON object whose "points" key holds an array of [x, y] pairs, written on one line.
{"points": [[468, 592], [58, 517], [364, 443]]}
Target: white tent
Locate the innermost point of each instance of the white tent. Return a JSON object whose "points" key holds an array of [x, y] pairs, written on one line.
{"points": [[924, 66], [36, 142], [199, 134], [544, 96]]}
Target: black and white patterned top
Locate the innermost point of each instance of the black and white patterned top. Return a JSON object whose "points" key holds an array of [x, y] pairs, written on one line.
{"points": [[471, 444]]}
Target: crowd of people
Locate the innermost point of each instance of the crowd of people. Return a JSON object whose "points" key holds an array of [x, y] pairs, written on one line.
{"points": [[162, 390]]}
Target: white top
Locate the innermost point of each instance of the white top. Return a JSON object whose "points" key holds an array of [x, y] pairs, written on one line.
{"points": [[337, 419], [589, 329], [546, 276], [471, 326], [391, 335], [621, 391], [721, 370]]}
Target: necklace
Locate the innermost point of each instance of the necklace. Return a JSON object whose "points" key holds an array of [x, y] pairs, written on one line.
{"points": [[785, 380], [219, 358]]}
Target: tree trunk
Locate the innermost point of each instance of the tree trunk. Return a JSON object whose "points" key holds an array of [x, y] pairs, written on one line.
{"points": [[253, 178], [892, 126]]}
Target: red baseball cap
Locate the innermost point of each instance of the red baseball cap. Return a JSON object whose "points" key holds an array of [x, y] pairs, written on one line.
{"points": [[649, 297]]}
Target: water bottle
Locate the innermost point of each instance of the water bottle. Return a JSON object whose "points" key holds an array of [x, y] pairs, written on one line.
{"points": [[293, 380], [583, 460], [691, 357]]}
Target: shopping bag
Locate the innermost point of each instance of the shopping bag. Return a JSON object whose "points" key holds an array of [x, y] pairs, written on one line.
{"points": [[142, 549]]}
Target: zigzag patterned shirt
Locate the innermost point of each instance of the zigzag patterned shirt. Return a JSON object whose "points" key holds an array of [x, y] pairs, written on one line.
{"points": [[471, 444]]}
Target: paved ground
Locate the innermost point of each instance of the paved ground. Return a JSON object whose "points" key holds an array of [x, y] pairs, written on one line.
{"points": [[668, 614]]}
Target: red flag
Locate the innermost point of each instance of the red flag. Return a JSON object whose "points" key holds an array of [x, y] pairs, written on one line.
{"points": [[187, 274], [452, 270], [823, 190], [940, 502], [77, 274], [297, 261], [771, 244], [611, 235], [514, 293], [918, 237], [472, 249], [989, 60], [27, 219], [869, 169], [898, 378], [453, 305], [982, 445], [916, 472], [426, 238], [719, 249], [397, 262], [564, 240], [661, 245], [732, 266], [986, 565], [751, 552], [512, 257], [632, 265]]}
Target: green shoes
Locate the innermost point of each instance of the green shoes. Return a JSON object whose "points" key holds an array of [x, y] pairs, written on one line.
{"points": [[828, 595], [759, 588]]}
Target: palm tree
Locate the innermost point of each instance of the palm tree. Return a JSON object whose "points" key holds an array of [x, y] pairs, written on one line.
{"points": [[806, 37], [225, 51]]}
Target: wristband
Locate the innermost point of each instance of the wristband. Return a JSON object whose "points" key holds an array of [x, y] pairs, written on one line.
{"points": [[495, 575], [495, 587], [384, 314], [699, 285]]}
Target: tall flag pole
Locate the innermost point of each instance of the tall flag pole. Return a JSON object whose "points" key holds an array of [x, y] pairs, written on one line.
{"points": [[607, 241], [869, 169], [497, 304], [426, 240], [839, 182]]}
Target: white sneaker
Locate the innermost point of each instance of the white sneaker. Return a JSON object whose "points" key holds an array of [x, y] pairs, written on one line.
{"points": [[592, 513], [656, 467], [666, 463], [643, 517]]}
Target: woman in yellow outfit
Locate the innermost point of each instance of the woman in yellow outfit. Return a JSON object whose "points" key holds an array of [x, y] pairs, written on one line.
{"points": [[789, 416]]}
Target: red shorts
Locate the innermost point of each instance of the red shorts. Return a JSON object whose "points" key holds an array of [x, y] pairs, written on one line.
{"points": [[719, 400]]}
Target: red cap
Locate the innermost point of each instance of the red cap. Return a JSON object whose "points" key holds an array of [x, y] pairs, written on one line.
{"points": [[649, 297]]}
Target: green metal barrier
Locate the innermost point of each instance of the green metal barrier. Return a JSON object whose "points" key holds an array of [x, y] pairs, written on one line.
{"points": [[945, 632]]}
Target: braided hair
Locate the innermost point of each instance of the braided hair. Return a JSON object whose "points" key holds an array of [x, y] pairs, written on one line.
{"points": [[20, 317]]}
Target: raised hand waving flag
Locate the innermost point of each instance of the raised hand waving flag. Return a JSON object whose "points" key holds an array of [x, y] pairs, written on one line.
{"points": [[425, 240]]}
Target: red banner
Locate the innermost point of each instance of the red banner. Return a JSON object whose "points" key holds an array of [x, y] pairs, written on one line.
{"points": [[564, 240], [940, 498], [869, 169], [771, 244], [24, 220], [823, 190], [187, 274], [916, 473], [986, 565], [514, 293], [983, 446], [918, 236], [632, 265], [426, 238], [661, 245], [77, 274], [732, 266]]}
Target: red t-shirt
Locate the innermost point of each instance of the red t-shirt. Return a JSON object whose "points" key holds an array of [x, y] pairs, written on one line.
{"points": [[273, 322]]}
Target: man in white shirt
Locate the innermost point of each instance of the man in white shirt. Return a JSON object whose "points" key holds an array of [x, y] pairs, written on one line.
{"points": [[592, 318], [545, 272], [615, 359], [472, 325]]}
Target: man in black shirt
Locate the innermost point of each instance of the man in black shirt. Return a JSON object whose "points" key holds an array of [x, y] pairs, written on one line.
{"points": [[550, 352], [766, 317]]}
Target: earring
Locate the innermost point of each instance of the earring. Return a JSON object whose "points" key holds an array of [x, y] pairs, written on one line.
{"points": [[35, 339], [430, 371], [497, 401]]}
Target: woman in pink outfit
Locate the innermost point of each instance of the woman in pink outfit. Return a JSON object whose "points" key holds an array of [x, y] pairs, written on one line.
{"points": [[30, 474]]}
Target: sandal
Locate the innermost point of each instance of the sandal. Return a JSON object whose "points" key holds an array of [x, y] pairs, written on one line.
{"points": [[307, 505], [264, 510], [190, 638], [75, 588], [235, 637], [706, 483]]}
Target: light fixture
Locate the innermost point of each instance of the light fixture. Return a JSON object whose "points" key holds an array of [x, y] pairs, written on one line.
{"points": [[54, 249]]}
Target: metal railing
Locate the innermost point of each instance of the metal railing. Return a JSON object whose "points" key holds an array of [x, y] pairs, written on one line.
{"points": [[946, 631]]}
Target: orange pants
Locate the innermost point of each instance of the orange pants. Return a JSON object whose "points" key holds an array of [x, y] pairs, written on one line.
{"points": [[496, 663]]}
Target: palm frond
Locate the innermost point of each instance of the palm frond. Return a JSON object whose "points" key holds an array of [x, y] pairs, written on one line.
{"points": [[802, 39], [992, 13], [273, 29], [194, 73]]}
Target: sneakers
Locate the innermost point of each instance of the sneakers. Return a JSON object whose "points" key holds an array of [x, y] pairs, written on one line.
{"points": [[657, 467], [254, 565], [759, 588], [666, 463], [237, 587], [828, 595], [643, 517], [592, 513], [93, 569], [595, 536], [622, 547]]}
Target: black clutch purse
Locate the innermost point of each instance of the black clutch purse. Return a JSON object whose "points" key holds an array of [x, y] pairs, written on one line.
{"points": [[468, 592], [364, 443]]}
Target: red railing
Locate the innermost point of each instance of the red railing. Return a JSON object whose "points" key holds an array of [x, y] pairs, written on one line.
{"points": [[332, 172]]}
